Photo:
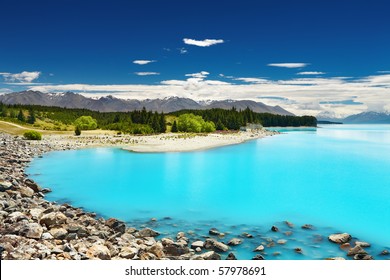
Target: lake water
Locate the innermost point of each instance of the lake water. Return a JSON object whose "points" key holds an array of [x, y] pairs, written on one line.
{"points": [[336, 177]]}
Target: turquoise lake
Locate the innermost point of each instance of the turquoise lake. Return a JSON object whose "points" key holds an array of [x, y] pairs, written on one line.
{"points": [[336, 178]]}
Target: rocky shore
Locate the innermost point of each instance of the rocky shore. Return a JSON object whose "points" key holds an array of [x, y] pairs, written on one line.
{"points": [[34, 228]]}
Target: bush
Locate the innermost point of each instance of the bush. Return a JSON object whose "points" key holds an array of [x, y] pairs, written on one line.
{"points": [[192, 123], [85, 123], [32, 135]]}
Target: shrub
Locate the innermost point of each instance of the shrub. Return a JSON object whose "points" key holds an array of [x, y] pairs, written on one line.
{"points": [[193, 123], [86, 123], [32, 135], [77, 131]]}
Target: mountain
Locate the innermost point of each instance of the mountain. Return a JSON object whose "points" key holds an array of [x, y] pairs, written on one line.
{"points": [[362, 118], [112, 104]]}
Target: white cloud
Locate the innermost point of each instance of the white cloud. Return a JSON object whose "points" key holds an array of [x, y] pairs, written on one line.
{"points": [[183, 50], [23, 77], [203, 43], [311, 73], [301, 96], [288, 65], [143, 62], [4, 90], [146, 73]]}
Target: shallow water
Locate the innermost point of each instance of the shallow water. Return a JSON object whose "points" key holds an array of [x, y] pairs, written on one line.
{"points": [[336, 176]]}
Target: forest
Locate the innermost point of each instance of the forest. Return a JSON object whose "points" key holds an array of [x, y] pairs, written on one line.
{"points": [[147, 122]]}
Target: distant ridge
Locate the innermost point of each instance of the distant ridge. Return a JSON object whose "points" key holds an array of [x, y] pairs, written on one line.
{"points": [[113, 104], [362, 118]]}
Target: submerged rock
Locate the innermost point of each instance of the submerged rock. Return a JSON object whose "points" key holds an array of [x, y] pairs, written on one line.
{"points": [[259, 248], [307, 226], [340, 238], [197, 244], [148, 232], [274, 228], [356, 250], [231, 257], [214, 231], [235, 241], [215, 245], [362, 244], [258, 257]]}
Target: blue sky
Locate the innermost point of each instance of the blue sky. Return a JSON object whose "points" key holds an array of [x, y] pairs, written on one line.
{"points": [[311, 57]]}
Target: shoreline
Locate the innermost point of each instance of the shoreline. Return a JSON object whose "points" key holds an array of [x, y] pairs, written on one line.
{"points": [[34, 228]]}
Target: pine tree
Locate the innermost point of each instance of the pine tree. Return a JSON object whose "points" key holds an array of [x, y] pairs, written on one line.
{"points": [[174, 127], [163, 126], [31, 117], [21, 116]]}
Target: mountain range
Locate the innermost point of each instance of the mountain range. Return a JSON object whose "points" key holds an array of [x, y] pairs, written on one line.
{"points": [[113, 104], [362, 118]]}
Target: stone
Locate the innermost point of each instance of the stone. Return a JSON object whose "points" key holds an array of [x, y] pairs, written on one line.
{"points": [[32, 185], [235, 241], [128, 252], [231, 257], [281, 241], [214, 231], [99, 252], [362, 244], [36, 213], [26, 192], [340, 238], [345, 246], [385, 253], [215, 245], [167, 241], [356, 250], [290, 225], [58, 232], [157, 250], [259, 248], [34, 231], [298, 250], [175, 250], [5, 186], [180, 235], [210, 256], [198, 249], [288, 233], [307, 226], [197, 244], [116, 225], [148, 232], [258, 257], [46, 236], [336, 259], [364, 257], [247, 235], [53, 219], [274, 228]]}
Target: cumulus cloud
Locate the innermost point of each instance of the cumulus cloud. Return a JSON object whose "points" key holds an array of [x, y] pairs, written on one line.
{"points": [[23, 77], [143, 61], [311, 73], [202, 43], [146, 73], [331, 95], [289, 65]]}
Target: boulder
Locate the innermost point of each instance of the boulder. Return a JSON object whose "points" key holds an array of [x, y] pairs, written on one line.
{"points": [[116, 225], [157, 250], [259, 248], [258, 257], [32, 185], [5, 186], [385, 253], [274, 228], [214, 231], [34, 231], [128, 252], [148, 232], [356, 250], [307, 226], [197, 244], [99, 252], [340, 238], [235, 241], [362, 244], [53, 219], [210, 256], [215, 245], [364, 257], [36, 213], [247, 235], [176, 250], [231, 257], [58, 232], [26, 191]]}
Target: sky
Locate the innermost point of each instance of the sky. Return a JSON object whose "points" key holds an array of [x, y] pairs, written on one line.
{"points": [[323, 58]]}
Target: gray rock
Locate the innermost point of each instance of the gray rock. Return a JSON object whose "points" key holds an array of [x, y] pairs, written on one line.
{"points": [[175, 249], [215, 245], [336, 259], [34, 231], [53, 219], [214, 231], [364, 257], [258, 257], [99, 252], [235, 241], [197, 244], [116, 225], [307, 226], [26, 191], [259, 248], [31, 184], [148, 232], [362, 244], [4, 186], [46, 236], [356, 250], [281, 241], [210, 256], [385, 253], [340, 238], [58, 232], [231, 257], [128, 252]]}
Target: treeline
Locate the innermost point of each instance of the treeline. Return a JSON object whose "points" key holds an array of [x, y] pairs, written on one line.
{"points": [[233, 119], [135, 122]]}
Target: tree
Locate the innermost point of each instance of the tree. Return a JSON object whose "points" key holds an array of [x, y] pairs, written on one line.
{"points": [[77, 131], [85, 123], [32, 135], [21, 116], [163, 125], [31, 117], [192, 123], [174, 127]]}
